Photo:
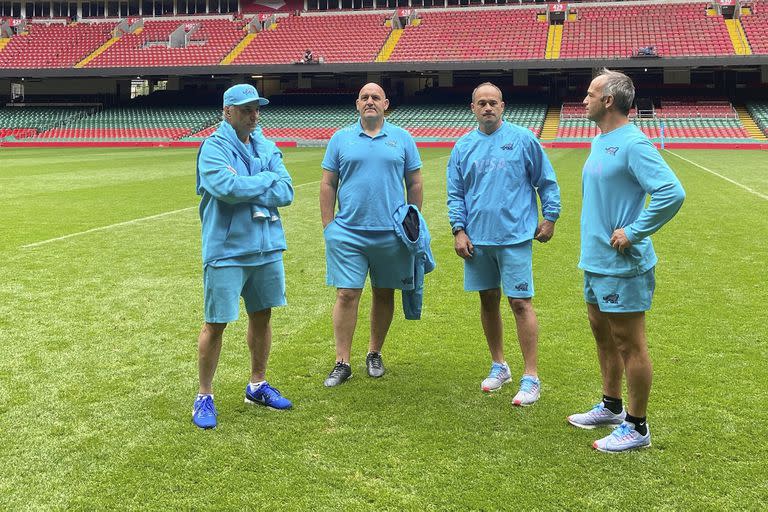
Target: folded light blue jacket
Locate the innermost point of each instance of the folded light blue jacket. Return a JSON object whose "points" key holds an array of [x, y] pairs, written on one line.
{"points": [[412, 230], [240, 191]]}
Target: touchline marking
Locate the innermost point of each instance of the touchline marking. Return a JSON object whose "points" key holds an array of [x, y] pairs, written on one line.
{"points": [[126, 223], [751, 191]]}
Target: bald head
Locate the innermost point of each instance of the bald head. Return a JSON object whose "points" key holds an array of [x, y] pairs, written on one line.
{"points": [[371, 103], [372, 87], [487, 88]]}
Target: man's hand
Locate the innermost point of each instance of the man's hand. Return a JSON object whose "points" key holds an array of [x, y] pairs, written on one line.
{"points": [[619, 240], [463, 245], [545, 231]]}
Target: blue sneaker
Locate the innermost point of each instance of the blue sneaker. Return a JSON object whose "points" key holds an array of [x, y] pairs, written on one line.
{"points": [[204, 412], [268, 396], [498, 376], [529, 393], [623, 438]]}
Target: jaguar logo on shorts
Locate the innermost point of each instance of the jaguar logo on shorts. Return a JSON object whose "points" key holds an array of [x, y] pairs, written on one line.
{"points": [[611, 150], [391, 143], [521, 287], [407, 280], [508, 147], [611, 299]]}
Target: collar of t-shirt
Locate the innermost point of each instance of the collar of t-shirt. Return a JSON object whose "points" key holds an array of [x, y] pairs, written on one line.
{"points": [[384, 132]]}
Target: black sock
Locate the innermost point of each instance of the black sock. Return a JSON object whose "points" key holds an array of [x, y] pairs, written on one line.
{"points": [[612, 404], [640, 425]]}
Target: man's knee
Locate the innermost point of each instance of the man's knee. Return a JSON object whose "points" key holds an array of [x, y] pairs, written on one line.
{"points": [[260, 316], [383, 294], [521, 306], [489, 299], [213, 330], [348, 297]]}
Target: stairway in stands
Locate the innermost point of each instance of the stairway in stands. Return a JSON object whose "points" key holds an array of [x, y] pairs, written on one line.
{"points": [[551, 122]]}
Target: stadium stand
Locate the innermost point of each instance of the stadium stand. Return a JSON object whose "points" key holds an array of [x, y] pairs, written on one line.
{"points": [[713, 121], [332, 38], [25, 122], [53, 46], [674, 30], [425, 122], [756, 27], [210, 41], [759, 112], [473, 35], [134, 124]]}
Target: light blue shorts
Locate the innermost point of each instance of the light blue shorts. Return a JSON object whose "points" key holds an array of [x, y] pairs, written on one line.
{"points": [[350, 255], [507, 265], [616, 294], [261, 287]]}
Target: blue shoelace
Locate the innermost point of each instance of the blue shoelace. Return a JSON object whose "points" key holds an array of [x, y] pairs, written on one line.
{"points": [[206, 407], [496, 369], [527, 384]]}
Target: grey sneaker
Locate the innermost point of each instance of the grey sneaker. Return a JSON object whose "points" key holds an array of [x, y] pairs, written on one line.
{"points": [[598, 416], [340, 374], [498, 376], [374, 364]]}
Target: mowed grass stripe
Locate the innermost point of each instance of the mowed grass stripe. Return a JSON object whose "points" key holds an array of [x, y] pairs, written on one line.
{"points": [[100, 368], [729, 180]]}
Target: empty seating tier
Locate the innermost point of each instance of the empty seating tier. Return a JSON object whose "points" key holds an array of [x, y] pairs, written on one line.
{"points": [[759, 112], [336, 38], [707, 120], [207, 46], [756, 27], [54, 46], [473, 35], [674, 30], [23, 122], [135, 123]]}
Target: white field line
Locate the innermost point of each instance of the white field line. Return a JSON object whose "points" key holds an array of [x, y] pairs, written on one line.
{"points": [[126, 223], [750, 190]]}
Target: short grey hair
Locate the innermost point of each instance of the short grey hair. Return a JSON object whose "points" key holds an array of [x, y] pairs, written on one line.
{"points": [[619, 86], [487, 84]]}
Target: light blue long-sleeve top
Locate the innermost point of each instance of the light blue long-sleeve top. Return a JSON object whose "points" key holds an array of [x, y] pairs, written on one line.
{"points": [[492, 185], [622, 168], [241, 187]]}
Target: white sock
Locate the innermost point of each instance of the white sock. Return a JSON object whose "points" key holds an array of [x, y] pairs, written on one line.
{"points": [[253, 386], [201, 395]]}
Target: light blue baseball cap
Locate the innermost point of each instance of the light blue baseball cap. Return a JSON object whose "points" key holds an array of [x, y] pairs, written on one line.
{"points": [[241, 94]]}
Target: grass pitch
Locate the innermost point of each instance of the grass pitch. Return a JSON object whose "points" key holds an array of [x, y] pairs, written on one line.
{"points": [[98, 372]]}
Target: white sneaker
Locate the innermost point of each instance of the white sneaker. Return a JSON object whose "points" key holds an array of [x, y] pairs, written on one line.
{"points": [[623, 438], [498, 376], [598, 416], [530, 390]]}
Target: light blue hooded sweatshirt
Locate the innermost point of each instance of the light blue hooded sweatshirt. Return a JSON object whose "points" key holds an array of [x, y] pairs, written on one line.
{"points": [[241, 189]]}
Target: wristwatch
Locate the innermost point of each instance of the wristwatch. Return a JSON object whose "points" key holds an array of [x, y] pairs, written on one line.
{"points": [[456, 229]]}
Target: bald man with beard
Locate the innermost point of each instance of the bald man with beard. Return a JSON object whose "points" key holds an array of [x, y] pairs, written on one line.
{"points": [[365, 166]]}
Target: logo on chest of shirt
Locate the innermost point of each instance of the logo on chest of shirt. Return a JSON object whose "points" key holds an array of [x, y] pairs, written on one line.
{"points": [[508, 147], [391, 143], [611, 150]]}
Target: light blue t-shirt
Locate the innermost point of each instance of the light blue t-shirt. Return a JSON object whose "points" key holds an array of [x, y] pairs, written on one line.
{"points": [[623, 166], [371, 172], [492, 185]]}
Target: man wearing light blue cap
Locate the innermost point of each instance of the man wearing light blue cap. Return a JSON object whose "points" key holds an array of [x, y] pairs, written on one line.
{"points": [[494, 175], [242, 181]]}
